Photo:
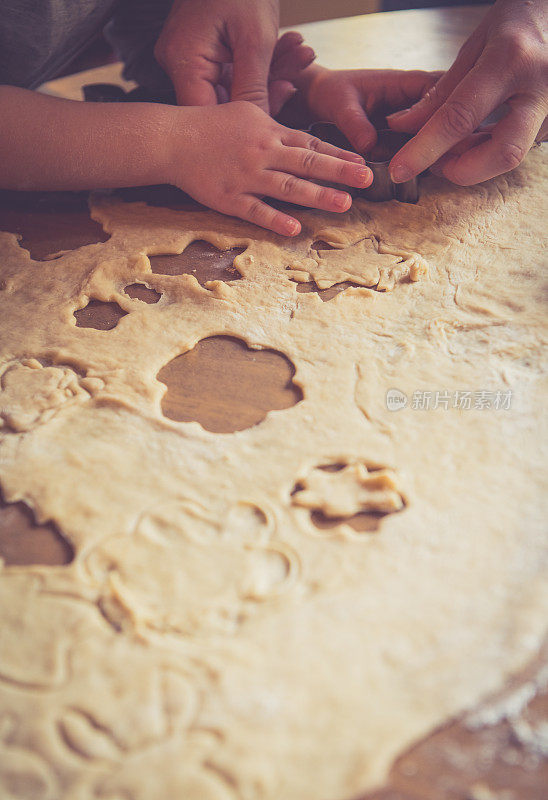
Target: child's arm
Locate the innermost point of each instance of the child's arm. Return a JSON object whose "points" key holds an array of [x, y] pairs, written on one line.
{"points": [[227, 157], [49, 143]]}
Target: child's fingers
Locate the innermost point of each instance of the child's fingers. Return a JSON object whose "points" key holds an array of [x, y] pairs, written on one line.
{"points": [[308, 164], [279, 92], [254, 210], [295, 190], [305, 140], [404, 88], [290, 57], [352, 120], [287, 42], [289, 66]]}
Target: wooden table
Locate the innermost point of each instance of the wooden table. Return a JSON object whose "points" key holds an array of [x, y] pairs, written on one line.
{"points": [[454, 763]]}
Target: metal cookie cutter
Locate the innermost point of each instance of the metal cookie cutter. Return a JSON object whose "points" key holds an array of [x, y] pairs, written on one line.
{"points": [[377, 159]]}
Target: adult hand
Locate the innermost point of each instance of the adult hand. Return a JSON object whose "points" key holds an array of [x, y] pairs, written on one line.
{"points": [[505, 61], [200, 36], [348, 97], [291, 56]]}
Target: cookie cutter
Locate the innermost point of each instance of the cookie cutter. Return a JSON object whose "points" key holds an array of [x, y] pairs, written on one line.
{"points": [[377, 159]]}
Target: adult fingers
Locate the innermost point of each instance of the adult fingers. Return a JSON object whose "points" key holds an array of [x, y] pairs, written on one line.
{"points": [[221, 94], [459, 149], [293, 138], [309, 164], [194, 80], [481, 91], [195, 86], [510, 141], [252, 209], [410, 120], [352, 120], [251, 65], [193, 62], [295, 190]]}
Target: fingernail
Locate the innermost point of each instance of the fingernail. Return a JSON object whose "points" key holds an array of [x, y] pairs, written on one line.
{"points": [[293, 227], [364, 176], [342, 200], [400, 174], [357, 158]]}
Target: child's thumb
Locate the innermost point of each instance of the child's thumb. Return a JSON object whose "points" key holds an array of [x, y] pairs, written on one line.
{"points": [[353, 122]]}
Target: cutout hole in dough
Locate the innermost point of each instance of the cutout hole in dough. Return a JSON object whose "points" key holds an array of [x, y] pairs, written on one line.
{"points": [[202, 260], [350, 493], [340, 465], [362, 523], [326, 294], [99, 315], [49, 224], [226, 386], [319, 244], [23, 541], [138, 291]]}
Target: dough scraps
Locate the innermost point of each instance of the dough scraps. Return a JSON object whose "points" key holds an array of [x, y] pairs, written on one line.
{"points": [[208, 641]]}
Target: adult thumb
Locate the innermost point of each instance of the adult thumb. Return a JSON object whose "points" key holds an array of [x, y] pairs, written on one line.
{"points": [[192, 88]]}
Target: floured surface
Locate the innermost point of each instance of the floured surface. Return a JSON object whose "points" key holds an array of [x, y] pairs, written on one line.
{"points": [[209, 641]]}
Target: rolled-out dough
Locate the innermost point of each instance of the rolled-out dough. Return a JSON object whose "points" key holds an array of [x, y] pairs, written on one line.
{"points": [[209, 642]]}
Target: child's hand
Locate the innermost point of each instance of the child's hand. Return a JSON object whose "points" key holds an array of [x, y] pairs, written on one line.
{"points": [[347, 97], [229, 156], [225, 156]]}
